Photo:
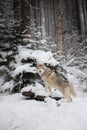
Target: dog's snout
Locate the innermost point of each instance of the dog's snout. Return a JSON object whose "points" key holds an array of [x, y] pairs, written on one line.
{"points": [[39, 70]]}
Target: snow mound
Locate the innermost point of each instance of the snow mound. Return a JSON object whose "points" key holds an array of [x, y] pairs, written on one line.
{"points": [[38, 89], [25, 67], [7, 86], [39, 55]]}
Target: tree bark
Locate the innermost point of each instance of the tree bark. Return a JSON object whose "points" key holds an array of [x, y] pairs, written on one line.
{"points": [[43, 18], [82, 20], [59, 27]]}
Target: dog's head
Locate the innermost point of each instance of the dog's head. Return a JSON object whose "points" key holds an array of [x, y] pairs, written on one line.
{"points": [[41, 69]]}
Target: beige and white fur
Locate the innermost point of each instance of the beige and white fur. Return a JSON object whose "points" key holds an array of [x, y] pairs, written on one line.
{"points": [[51, 80]]}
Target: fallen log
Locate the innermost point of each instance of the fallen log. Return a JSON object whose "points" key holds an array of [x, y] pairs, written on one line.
{"points": [[31, 95]]}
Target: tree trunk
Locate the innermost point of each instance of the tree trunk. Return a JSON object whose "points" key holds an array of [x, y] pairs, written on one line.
{"points": [[59, 27], [82, 20], [43, 18]]}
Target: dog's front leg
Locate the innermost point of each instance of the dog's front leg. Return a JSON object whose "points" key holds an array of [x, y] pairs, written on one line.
{"points": [[46, 87]]}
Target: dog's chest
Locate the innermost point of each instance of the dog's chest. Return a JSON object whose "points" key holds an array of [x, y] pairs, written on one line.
{"points": [[51, 80]]}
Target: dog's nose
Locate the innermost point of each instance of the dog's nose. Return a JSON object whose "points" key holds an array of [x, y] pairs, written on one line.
{"points": [[39, 70]]}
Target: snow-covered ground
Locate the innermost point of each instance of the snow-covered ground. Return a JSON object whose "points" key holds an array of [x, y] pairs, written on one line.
{"points": [[16, 113]]}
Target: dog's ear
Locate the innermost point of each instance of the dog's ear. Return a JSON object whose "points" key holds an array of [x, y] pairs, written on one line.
{"points": [[39, 65]]}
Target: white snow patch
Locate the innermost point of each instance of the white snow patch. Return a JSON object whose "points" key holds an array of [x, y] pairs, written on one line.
{"points": [[43, 41], [25, 67], [76, 72], [18, 113], [38, 89], [7, 86], [39, 55]]}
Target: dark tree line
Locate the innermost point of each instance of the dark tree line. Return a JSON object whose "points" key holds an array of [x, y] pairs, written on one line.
{"points": [[56, 20]]}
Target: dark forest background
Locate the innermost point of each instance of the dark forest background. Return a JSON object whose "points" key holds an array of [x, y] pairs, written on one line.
{"points": [[60, 22]]}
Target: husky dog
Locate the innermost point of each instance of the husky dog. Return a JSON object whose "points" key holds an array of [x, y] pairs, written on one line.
{"points": [[51, 80]]}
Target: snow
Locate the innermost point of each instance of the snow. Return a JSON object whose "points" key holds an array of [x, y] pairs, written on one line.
{"points": [[38, 89], [23, 54], [25, 67], [76, 72], [7, 86], [16, 113], [39, 55], [43, 41]]}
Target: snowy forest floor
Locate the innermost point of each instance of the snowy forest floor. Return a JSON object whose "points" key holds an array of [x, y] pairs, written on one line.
{"points": [[16, 113]]}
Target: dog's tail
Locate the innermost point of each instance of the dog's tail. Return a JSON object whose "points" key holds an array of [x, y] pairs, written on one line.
{"points": [[72, 90]]}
